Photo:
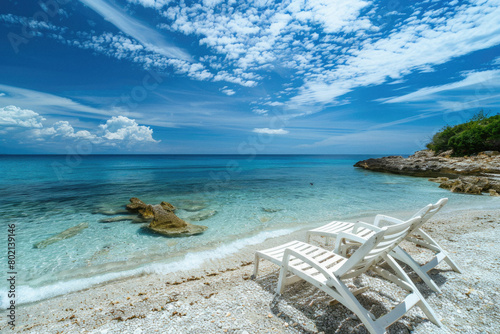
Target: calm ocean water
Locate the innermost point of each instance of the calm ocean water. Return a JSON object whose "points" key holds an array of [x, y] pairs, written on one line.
{"points": [[253, 198]]}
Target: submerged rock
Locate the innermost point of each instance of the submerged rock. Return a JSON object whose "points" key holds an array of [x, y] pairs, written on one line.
{"points": [[271, 210], [109, 212], [116, 219], [103, 251], [202, 215], [164, 219], [140, 220], [192, 205], [440, 179], [70, 232]]}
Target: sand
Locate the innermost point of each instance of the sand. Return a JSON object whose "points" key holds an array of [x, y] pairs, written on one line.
{"points": [[224, 299]]}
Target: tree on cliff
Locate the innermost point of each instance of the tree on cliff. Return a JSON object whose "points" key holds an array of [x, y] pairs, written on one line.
{"points": [[480, 133]]}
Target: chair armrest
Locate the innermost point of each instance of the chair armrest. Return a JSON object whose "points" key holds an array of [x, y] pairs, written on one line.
{"points": [[360, 224], [342, 237], [386, 220], [304, 257]]}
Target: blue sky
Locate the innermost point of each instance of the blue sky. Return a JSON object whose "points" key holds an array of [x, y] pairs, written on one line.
{"points": [[242, 77]]}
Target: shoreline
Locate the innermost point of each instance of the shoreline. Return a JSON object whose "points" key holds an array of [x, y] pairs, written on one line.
{"points": [[119, 303], [198, 260]]}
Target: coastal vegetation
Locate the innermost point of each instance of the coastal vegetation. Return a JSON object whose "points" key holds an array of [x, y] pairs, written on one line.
{"points": [[480, 133]]}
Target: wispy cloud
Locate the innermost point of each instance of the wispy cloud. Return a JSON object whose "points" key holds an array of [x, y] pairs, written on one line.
{"points": [[49, 103], [378, 141], [479, 82], [147, 36]]}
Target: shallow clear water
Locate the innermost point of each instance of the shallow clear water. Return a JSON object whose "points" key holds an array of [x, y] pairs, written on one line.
{"points": [[254, 197]]}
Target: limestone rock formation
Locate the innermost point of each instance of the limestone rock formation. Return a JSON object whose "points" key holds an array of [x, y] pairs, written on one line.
{"points": [[164, 219], [454, 173], [135, 205]]}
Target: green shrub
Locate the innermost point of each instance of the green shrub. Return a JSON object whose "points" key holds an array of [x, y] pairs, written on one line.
{"points": [[480, 133]]}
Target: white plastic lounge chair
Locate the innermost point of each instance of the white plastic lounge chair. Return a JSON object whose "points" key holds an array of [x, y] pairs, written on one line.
{"points": [[332, 229], [326, 270]]}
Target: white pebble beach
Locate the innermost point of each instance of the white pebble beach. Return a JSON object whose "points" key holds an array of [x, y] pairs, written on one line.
{"points": [[225, 299]]}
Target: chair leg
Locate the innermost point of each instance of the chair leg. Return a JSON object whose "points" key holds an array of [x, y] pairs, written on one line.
{"points": [[255, 266], [447, 258], [282, 278], [327, 241], [452, 264], [424, 306], [401, 255], [349, 300]]}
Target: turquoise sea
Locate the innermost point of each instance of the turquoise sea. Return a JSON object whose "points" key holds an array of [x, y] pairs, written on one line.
{"points": [[249, 198]]}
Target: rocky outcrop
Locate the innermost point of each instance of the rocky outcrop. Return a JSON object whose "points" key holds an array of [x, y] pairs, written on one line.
{"points": [[454, 173], [164, 219], [469, 184], [70, 232], [135, 205]]}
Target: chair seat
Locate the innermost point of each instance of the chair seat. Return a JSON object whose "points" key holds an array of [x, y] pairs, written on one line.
{"points": [[323, 256], [334, 228]]}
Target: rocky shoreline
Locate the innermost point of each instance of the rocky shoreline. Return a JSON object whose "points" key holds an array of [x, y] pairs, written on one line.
{"points": [[473, 175]]}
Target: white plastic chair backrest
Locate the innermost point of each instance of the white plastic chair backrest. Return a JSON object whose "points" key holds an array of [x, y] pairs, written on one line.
{"points": [[429, 211], [378, 245]]}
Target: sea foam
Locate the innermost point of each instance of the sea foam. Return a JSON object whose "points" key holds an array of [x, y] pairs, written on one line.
{"points": [[26, 294]]}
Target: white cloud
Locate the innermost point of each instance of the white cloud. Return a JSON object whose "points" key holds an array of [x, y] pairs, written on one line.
{"points": [[227, 91], [66, 131], [120, 128], [260, 111], [274, 103], [2, 94], [31, 23], [264, 36], [158, 4], [333, 15], [12, 116], [117, 131], [270, 131]]}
